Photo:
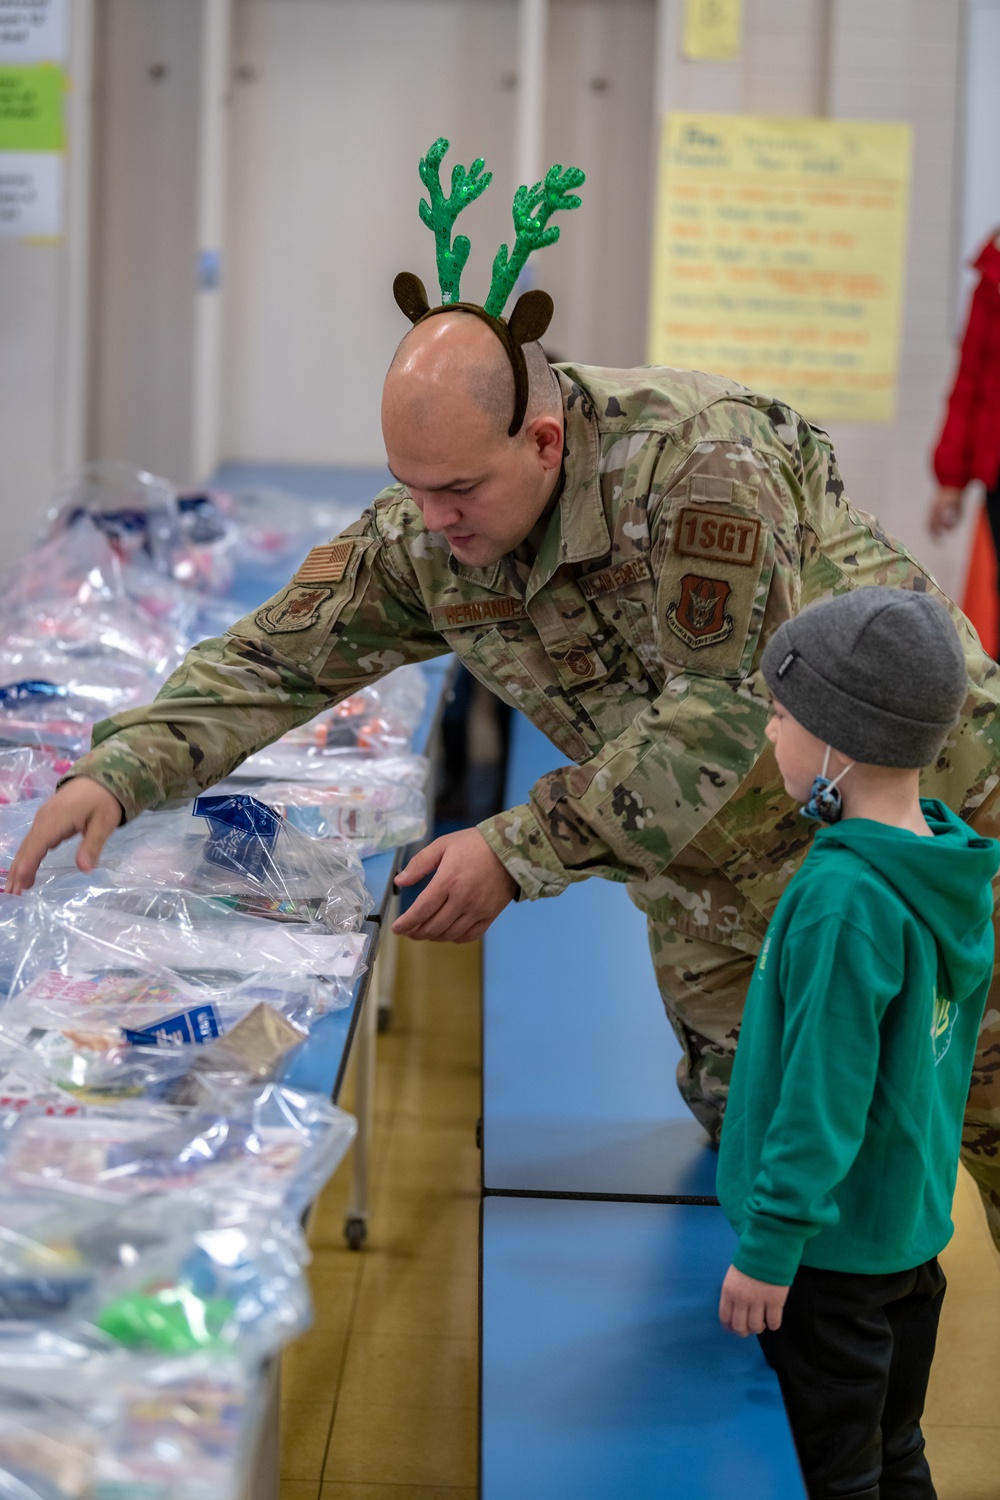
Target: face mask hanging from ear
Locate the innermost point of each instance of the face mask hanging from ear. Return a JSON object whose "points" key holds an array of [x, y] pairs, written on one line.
{"points": [[825, 804]]}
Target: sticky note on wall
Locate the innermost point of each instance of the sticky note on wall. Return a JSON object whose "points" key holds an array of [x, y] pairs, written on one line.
{"points": [[31, 108], [712, 30]]}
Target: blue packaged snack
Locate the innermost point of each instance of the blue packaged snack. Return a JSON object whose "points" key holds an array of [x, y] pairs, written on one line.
{"points": [[192, 1027]]}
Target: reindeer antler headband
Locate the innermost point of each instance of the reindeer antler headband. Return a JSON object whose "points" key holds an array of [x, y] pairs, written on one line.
{"points": [[532, 210]]}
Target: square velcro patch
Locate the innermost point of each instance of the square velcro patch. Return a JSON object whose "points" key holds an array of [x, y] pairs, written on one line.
{"points": [[326, 564]]}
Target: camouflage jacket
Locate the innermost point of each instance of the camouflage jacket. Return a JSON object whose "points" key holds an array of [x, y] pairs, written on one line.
{"points": [[693, 517]]}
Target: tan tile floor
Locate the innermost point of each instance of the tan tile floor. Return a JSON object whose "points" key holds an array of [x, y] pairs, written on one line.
{"points": [[379, 1399]]}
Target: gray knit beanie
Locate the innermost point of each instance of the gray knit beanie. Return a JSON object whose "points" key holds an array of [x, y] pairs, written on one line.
{"points": [[877, 673]]}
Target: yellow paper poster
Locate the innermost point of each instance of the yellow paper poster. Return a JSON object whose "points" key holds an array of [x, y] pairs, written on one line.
{"points": [[779, 257], [712, 29], [31, 108]]}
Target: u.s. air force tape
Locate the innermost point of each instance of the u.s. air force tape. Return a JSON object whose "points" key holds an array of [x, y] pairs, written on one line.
{"points": [[593, 585], [326, 564]]}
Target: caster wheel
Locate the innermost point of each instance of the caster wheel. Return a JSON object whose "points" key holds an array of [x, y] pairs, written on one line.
{"points": [[384, 1020], [355, 1233]]}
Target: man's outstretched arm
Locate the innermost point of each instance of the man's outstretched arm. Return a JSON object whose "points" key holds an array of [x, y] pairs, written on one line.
{"points": [[310, 646]]}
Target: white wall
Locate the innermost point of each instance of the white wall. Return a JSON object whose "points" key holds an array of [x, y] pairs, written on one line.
{"points": [[146, 150], [43, 295], [869, 60], [981, 120], [338, 101]]}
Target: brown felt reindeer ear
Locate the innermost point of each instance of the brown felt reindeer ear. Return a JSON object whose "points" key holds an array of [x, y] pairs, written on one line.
{"points": [[531, 317], [411, 295]]}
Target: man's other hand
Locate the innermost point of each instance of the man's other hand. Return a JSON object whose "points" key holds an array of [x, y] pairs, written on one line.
{"points": [[469, 889], [750, 1306], [79, 806]]}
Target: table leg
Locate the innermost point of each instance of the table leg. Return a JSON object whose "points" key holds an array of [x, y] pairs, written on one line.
{"points": [[264, 1482], [388, 951], [356, 1223]]}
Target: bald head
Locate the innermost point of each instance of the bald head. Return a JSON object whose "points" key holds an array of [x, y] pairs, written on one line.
{"points": [[446, 410], [453, 367]]}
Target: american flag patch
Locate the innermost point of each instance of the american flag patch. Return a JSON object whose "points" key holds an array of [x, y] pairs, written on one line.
{"points": [[326, 564]]}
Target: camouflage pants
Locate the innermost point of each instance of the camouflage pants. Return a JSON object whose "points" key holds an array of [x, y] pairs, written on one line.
{"points": [[704, 979]]}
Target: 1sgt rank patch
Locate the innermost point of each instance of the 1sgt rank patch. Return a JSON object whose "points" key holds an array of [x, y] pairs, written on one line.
{"points": [[712, 587], [719, 536]]}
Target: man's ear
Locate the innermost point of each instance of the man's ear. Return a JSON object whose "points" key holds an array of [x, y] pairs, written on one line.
{"points": [[545, 433]]}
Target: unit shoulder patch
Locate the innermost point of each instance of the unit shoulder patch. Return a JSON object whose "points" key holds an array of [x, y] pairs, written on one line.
{"points": [[699, 616], [325, 564], [295, 609]]}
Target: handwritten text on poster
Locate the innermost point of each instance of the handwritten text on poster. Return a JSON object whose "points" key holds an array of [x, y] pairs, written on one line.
{"points": [[779, 257]]}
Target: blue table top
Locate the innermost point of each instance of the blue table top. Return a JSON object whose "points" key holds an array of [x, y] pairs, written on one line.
{"points": [[606, 1374], [579, 1060]]}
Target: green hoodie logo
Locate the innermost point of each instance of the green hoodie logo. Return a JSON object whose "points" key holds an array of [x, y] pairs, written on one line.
{"points": [[945, 1012]]}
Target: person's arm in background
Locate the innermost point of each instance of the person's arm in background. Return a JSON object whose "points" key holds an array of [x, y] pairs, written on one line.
{"points": [[951, 456], [310, 646]]}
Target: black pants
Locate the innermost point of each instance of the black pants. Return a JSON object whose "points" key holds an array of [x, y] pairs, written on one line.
{"points": [[993, 516], [853, 1355]]}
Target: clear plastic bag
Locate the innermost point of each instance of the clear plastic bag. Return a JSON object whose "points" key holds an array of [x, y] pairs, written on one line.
{"points": [[264, 1145], [99, 924], [240, 851], [82, 1423], [373, 806], [376, 723], [182, 1430], [27, 774], [82, 637], [276, 528], [188, 538]]}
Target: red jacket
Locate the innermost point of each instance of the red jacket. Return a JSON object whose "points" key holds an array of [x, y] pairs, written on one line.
{"points": [[969, 445]]}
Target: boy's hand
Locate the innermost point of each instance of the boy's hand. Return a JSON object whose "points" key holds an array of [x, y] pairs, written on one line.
{"points": [[749, 1306], [79, 806]]}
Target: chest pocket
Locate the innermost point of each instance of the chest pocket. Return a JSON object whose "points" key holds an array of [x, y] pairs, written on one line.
{"points": [[525, 678], [713, 586]]}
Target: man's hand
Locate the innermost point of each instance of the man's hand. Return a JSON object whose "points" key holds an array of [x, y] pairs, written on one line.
{"points": [[469, 890], [946, 510], [80, 806], [749, 1306]]}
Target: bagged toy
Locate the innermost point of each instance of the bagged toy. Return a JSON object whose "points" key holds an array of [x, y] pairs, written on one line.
{"points": [[188, 538], [238, 850], [377, 722], [376, 805]]}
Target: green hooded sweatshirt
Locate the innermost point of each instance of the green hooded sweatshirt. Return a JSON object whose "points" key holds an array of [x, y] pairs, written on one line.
{"points": [[841, 1136]]}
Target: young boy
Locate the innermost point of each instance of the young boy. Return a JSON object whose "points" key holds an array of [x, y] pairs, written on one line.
{"points": [[840, 1145]]}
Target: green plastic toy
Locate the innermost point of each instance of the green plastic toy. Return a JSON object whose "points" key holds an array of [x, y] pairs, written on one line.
{"points": [[173, 1320]]}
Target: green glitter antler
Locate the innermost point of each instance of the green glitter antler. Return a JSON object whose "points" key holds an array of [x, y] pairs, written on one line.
{"points": [[441, 212], [532, 209]]}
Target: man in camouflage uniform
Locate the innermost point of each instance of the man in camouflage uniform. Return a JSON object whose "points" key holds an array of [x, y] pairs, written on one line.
{"points": [[644, 534]]}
